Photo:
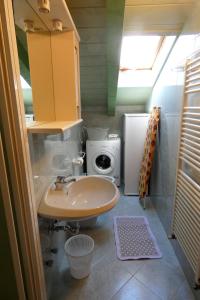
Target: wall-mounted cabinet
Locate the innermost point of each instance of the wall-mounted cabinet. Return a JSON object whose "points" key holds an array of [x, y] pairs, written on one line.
{"points": [[66, 75], [54, 70], [54, 63]]}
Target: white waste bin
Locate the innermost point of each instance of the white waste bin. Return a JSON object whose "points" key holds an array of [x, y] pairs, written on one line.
{"points": [[79, 251]]}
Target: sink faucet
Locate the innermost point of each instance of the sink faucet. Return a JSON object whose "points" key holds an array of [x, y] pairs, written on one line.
{"points": [[62, 180]]}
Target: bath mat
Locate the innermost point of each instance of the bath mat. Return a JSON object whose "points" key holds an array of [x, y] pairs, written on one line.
{"points": [[134, 239]]}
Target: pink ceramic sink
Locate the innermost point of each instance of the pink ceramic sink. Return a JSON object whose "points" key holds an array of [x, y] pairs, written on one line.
{"points": [[88, 197]]}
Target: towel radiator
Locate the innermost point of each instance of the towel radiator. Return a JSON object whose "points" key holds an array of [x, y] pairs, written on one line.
{"points": [[186, 214]]}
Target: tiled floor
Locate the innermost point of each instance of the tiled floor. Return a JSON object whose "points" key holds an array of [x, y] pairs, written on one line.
{"points": [[154, 279]]}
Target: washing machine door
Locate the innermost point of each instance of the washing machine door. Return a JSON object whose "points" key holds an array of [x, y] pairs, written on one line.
{"points": [[103, 162]]}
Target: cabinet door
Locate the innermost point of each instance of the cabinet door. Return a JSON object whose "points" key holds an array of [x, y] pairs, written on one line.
{"points": [[40, 61], [55, 76], [64, 62]]}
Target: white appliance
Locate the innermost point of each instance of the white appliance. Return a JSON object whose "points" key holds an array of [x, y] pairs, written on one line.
{"points": [[135, 127], [103, 158]]}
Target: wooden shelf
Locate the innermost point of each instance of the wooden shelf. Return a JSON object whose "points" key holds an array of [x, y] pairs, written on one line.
{"points": [[51, 127]]}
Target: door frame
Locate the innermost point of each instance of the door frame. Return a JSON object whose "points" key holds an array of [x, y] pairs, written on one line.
{"points": [[8, 212], [15, 149]]}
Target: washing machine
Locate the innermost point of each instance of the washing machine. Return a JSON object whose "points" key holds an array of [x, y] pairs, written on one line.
{"points": [[103, 158]]}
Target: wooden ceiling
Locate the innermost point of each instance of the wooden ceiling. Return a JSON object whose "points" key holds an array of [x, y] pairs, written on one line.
{"points": [[156, 16], [90, 19]]}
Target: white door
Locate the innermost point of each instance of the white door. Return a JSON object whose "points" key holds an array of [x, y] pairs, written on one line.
{"points": [[135, 126]]}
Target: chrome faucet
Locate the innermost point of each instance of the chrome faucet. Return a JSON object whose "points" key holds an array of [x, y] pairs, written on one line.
{"points": [[61, 180]]}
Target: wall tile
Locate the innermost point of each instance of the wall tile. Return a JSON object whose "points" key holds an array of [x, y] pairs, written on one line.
{"points": [[51, 155]]}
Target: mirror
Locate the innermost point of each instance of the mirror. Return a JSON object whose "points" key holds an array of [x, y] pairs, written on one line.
{"points": [[24, 69]]}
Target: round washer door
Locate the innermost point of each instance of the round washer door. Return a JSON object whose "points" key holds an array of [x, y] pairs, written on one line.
{"points": [[103, 162]]}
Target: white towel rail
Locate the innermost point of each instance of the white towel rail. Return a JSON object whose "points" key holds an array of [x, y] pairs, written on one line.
{"points": [[193, 78], [190, 157], [191, 119], [192, 91], [193, 61], [191, 125], [190, 136], [192, 67], [190, 74], [195, 150], [191, 131], [186, 215], [191, 108], [191, 85], [188, 113], [190, 142]]}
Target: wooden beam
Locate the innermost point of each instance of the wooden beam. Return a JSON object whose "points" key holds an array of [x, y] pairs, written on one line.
{"points": [[115, 17]]}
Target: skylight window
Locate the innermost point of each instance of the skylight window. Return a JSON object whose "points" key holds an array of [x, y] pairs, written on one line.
{"points": [[142, 58], [139, 52], [24, 83]]}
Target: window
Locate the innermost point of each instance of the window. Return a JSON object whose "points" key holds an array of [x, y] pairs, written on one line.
{"points": [[139, 52], [142, 58], [24, 84]]}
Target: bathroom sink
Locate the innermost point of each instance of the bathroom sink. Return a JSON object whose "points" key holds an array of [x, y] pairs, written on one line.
{"points": [[85, 198]]}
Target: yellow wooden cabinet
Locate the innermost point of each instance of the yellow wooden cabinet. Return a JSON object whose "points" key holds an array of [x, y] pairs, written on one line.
{"points": [[54, 64], [66, 75], [55, 78]]}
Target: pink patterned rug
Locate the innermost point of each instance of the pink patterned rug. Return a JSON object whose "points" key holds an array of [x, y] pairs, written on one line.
{"points": [[134, 239]]}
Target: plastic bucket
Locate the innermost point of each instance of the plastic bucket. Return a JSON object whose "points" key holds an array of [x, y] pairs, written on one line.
{"points": [[79, 251]]}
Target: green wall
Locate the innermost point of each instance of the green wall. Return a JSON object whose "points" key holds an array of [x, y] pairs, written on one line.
{"points": [[23, 54], [133, 95]]}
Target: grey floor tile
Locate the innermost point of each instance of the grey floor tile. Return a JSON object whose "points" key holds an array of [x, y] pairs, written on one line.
{"points": [[169, 256], [132, 266], [158, 276], [103, 282], [135, 290], [136, 280], [184, 292]]}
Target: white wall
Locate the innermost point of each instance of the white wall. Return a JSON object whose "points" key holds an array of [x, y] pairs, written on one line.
{"points": [[168, 94], [94, 117], [52, 156]]}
